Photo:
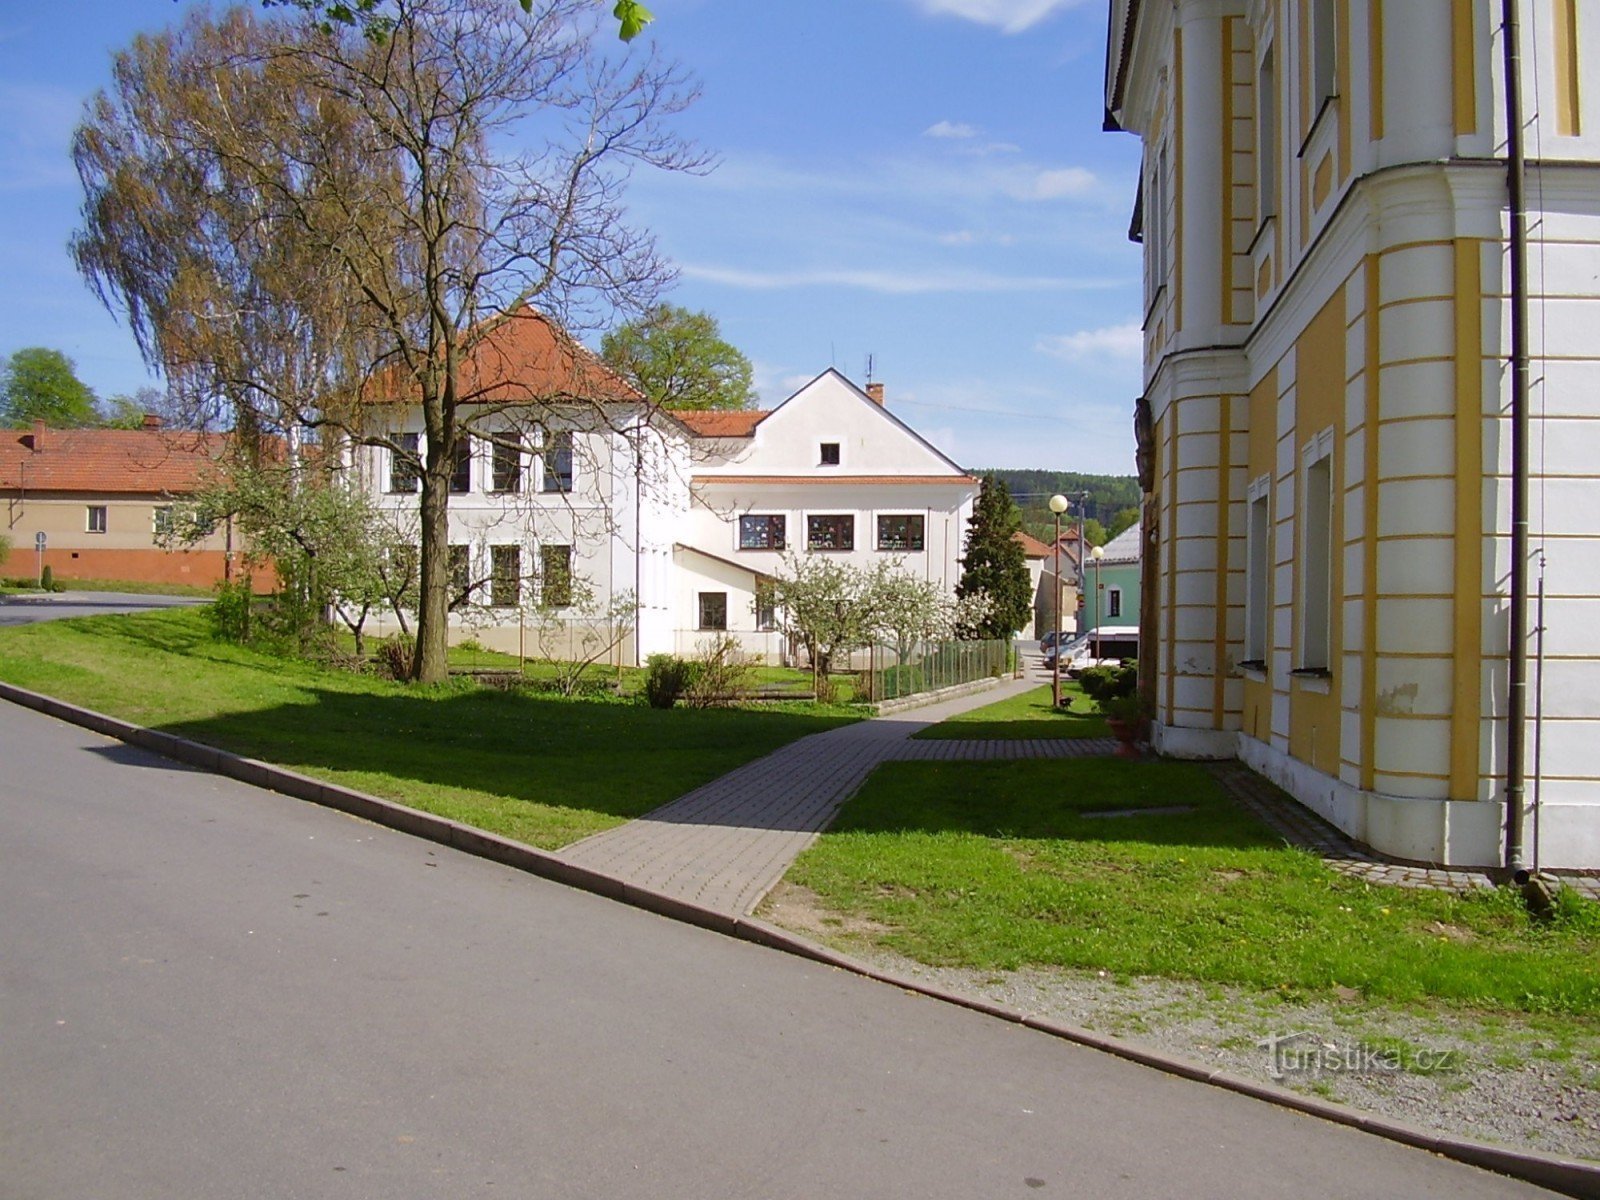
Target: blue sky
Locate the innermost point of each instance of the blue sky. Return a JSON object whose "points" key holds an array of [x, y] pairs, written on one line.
{"points": [[924, 181]]}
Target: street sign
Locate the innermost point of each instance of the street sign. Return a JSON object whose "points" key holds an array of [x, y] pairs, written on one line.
{"points": [[38, 541]]}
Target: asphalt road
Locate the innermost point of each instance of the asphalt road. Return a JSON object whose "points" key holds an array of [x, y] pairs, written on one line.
{"points": [[207, 990], [24, 610]]}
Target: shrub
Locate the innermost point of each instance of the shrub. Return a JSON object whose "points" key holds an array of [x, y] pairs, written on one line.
{"points": [[47, 578], [720, 672], [1108, 683], [395, 654], [668, 677], [230, 611]]}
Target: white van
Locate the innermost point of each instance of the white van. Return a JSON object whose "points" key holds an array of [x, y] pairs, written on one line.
{"points": [[1105, 646]]}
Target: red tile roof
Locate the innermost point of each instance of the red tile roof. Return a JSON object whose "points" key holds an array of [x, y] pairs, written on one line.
{"points": [[1032, 547], [525, 356], [106, 461], [740, 423], [807, 479]]}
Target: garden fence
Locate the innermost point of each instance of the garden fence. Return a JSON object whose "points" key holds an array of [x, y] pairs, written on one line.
{"points": [[929, 666]]}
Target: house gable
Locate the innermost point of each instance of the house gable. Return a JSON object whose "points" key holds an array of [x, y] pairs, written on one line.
{"points": [[792, 440]]}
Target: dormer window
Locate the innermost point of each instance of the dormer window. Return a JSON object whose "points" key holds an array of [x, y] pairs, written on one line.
{"points": [[830, 454]]}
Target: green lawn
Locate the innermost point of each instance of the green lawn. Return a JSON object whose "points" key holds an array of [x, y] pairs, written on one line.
{"points": [[997, 866], [539, 769], [1029, 715]]}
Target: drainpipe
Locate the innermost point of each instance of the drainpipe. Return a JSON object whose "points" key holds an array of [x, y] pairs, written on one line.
{"points": [[1517, 674]]}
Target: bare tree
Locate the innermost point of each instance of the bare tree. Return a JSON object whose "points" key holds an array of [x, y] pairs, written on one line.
{"points": [[360, 215]]}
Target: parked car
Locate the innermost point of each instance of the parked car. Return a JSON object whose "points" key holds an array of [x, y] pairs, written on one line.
{"points": [[1103, 647], [1048, 642]]}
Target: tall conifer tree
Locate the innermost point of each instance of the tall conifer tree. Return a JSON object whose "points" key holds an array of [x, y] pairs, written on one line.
{"points": [[994, 565]]}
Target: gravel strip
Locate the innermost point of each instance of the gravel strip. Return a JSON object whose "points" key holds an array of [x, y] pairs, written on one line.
{"points": [[1512, 1080]]}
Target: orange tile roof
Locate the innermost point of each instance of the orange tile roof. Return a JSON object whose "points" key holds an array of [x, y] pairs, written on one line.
{"points": [[1031, 546], [525, 356], [106, 461], [739, 423], [809, 479]]}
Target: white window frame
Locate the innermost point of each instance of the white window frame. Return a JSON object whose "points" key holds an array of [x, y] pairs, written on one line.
{"points": [[1267, 137], [90, 525], [1258, 571], [1315, 560]]}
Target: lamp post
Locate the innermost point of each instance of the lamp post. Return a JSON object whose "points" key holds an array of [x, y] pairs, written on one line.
{"points": [[1096, 555], [1058, 505]]}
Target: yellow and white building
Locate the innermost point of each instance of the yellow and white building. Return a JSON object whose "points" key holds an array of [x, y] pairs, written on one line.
{"points": [[1325, 431]]}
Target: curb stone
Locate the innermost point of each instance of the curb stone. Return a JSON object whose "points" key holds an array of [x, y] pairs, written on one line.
{"points": [[1568, 1176]]}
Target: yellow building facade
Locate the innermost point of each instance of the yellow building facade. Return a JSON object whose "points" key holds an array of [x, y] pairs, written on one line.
{"points": [[1323, 208]]}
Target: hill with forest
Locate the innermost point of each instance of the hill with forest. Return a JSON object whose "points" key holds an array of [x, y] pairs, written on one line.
{"points": [[1112, 503]]}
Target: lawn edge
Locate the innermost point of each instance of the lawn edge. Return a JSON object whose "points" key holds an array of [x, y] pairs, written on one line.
{"points": [[1571, 1177]]}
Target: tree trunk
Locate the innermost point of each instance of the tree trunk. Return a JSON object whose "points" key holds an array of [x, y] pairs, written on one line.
{"points": [[433, 603]]}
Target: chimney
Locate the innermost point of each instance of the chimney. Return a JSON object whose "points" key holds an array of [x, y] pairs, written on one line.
{"points": [[38, 436], [151, 421], [875, 393]]}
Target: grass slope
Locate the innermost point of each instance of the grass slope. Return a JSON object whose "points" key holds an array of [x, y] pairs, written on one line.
{"points": [[996, 865], [540, 769], [1029, 715]]}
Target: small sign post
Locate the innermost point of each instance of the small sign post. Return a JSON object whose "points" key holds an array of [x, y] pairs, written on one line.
{"points": [[38, 544]]}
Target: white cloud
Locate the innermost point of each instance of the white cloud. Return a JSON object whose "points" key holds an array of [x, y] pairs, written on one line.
{"points": [[1121, 343], [1059, 183], [971, 237], [900, 283], [1008, 16], [950, 129], [931, 180]]}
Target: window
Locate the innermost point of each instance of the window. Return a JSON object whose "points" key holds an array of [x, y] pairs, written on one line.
{"points": [[761, 533], [96, 519], [831, 533], [900, 533], [460, 575], [1316, 555], [1266, 139], [713, 610], [161, 521], [1113, 602], [555, 575], [461, 473], [403, 463], [830, 454], [1258, 573], [505, 576], [507, 469], [1324, 55], [557, 462], [766, 604]]}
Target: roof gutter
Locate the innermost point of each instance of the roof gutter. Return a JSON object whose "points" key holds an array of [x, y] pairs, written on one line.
{"points": [[1117, 77], [1517, 666]]}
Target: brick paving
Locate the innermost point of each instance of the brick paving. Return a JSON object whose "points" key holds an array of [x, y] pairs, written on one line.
{"points": [[727, 843], [1299, 826]]}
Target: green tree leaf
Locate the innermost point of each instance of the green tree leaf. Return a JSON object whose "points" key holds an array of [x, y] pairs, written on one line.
{"points": [[38, 384], [679, 360]]}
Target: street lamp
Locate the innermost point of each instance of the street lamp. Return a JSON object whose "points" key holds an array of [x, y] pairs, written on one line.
{"points": [[1058, 505], [1097, 554]]}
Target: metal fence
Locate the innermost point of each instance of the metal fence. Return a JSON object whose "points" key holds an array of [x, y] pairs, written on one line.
{"points": [[929, 666]]}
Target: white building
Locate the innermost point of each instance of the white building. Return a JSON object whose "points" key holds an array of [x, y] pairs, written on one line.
{"points": [[569, 475], [1326, 429]]}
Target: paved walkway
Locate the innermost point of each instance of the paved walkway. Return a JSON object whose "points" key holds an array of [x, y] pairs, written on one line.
{"points": [[725, 845]]}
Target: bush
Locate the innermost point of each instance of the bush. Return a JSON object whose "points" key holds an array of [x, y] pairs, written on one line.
{"points": [[395, 654], [720, 672], [668, 678], [47, 578], [1109, 683], [230, 611]]}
